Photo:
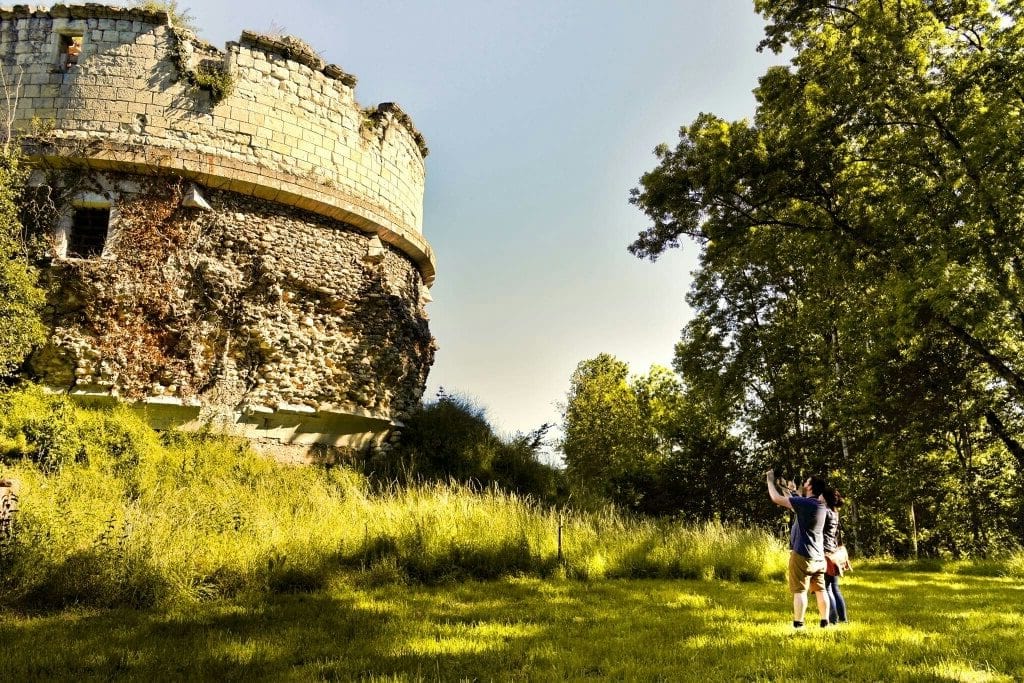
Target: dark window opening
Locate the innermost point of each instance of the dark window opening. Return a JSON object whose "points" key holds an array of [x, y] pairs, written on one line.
{"points": [[70, 49], [88, 233]]}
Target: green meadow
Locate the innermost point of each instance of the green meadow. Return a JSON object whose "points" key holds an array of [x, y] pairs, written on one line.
{"points": [[143, 556], [906, 626]]}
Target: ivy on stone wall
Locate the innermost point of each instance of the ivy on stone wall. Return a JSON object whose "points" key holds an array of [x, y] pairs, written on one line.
{"points": [[248, 304], [133, 307]]}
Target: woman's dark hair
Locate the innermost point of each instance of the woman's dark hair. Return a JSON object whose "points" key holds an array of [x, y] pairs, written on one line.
{"points": [[818, 485], [833, 498]]}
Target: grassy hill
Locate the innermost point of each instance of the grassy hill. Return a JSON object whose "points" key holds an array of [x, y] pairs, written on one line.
{"points": [[140, 555], [114, 514]]}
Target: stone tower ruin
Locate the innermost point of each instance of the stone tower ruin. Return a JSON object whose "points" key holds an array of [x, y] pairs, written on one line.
{"points": [[227, 237]]}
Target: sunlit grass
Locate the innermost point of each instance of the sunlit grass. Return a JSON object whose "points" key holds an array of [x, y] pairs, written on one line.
{"points": [[905, 627], [192, 558], [113, 514]]}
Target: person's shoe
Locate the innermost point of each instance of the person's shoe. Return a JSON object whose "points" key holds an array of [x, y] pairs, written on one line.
{"points": [[798, 624], [823, 623]]}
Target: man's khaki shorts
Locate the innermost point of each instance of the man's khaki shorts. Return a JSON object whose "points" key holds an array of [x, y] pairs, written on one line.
{"points": [[805, 573]]}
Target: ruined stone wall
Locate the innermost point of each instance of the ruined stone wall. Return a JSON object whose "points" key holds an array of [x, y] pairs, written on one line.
{"points": [[279, 321], [290, 130], [264, 265]]}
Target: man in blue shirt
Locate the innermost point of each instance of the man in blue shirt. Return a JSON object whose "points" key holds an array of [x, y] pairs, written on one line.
{"points": [[806, 542]]}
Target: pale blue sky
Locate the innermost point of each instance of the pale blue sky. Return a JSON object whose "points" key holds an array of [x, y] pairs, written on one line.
{"points": [[540, 116]]}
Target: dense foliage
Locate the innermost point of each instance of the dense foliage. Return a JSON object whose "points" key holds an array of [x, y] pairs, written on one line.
{"points": [[647, 445], [20, 297], [858, 306]]}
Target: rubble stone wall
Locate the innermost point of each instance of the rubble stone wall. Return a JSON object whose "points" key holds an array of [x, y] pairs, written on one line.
{"points": [[275, 321]]}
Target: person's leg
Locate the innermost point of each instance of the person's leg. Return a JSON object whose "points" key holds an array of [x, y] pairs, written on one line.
{"points": [[799, 607], [840, 602], [797, 578], [833, 603], [816, 583], [823, 603]]}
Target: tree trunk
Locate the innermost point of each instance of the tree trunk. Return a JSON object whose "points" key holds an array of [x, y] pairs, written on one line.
{"points": [[913, 532], [1012, 445], [853, 530]]}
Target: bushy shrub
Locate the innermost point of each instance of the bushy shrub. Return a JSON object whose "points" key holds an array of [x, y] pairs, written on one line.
{"points": [[1015, 565], [450, 439], [180, 16], [53, 432]]}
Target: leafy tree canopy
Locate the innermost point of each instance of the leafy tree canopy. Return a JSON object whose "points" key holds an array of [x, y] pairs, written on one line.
{"points": [[858, 307]]}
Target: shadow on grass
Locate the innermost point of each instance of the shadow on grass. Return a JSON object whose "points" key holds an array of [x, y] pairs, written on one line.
{"points": [[352, 635], [905, 627]]}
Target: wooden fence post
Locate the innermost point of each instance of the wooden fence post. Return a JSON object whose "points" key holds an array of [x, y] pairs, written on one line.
{"points": [[561, 557], [913, 531]]}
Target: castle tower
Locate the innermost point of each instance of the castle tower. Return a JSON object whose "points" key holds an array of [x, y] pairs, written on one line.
{"points": [[231, 239]]}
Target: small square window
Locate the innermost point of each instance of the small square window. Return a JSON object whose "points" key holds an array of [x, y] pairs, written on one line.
{"points": [[88, 235], [69, 50]]}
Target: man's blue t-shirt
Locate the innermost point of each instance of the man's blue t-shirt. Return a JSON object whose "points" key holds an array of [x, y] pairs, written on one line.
{"points": [[805, 538]]}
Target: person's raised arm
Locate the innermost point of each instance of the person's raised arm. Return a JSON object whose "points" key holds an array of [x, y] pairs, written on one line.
{"points": [[774, 494]]}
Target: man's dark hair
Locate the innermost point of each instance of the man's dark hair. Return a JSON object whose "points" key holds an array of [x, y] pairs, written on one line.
{"points": [[818, 485]]}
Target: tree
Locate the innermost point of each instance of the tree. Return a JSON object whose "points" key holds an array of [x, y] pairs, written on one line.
{"points": [[607, 442], [20, 297], [866, 223], [893, 142], [646, 444]]}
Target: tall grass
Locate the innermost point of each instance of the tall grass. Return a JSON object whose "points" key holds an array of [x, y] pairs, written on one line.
{"points": [[1009, 564], [114, 514]]}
